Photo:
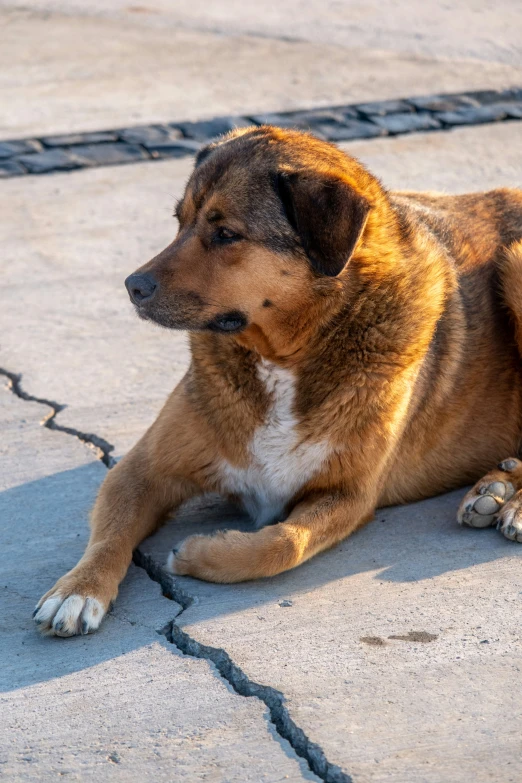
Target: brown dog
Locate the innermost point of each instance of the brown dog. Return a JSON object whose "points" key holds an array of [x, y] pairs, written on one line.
{"points": [[351, 348]]}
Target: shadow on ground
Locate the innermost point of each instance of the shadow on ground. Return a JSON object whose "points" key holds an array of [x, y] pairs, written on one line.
{"points": [[45, 530]]}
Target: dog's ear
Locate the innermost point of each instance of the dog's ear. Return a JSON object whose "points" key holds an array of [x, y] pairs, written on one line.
{"points": [[203, 153], [327, 214]]}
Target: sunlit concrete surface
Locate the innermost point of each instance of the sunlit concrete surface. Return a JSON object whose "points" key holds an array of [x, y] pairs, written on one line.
{"points": [[80, 65]]}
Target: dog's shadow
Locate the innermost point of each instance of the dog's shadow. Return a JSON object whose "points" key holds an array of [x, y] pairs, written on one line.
{"points": [[412, 543], [44, 532]]}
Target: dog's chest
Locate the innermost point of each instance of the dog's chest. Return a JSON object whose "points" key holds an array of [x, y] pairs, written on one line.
{"points": [[280, 461]]}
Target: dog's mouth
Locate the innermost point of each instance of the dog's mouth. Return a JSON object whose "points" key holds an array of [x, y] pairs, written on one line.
{"points": [[229, 323], [224, 323]]}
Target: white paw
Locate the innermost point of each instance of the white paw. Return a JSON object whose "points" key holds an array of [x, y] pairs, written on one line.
{"points": [[58, 616], [482, 504], [510, 519]]}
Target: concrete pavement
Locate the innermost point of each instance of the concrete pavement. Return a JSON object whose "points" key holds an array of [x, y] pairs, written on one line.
{"points": [[79, 65]]}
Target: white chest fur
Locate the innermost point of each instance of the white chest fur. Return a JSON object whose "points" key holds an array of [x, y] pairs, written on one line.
{"points": [[280, 461]]}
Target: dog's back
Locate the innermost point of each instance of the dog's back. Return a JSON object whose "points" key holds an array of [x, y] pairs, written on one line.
{"points": [[474, 227], [469, 395]]}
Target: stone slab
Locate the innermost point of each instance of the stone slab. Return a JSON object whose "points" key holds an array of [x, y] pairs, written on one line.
{"points": [[207, 130], [10, 168], [442, 102], [82, 155], [49, 160], [108, 154], [180, 148], [407, 123], [353, 129], [18, 147], [473, 116], [381, 108], [148, 135], [122, 705], [68, 139], [79, 66]]}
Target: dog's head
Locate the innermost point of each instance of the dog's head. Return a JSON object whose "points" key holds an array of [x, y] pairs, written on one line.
{"points": [[267, 224]]}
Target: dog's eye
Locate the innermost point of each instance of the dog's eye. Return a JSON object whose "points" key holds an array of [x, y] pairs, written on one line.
{"points": [[226, 235]]}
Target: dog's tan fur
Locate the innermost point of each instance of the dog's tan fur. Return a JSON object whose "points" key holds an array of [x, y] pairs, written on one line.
{"points": [[379, 354]]}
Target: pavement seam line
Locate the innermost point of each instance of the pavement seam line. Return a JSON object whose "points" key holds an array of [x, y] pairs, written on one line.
{"points": [[48, 154], [273, 699], [98, 445]]}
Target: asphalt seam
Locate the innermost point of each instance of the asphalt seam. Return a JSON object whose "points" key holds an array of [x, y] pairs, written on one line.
{"points": [[159, 141], [99, 446], [273, 699]]}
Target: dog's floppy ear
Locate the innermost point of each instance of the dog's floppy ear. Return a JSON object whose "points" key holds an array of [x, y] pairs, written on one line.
{"points": [[203, 153], [327, 214]]}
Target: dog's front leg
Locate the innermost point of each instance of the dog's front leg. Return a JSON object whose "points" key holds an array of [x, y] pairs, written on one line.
{"points": [[234, 556], [133, 501]]}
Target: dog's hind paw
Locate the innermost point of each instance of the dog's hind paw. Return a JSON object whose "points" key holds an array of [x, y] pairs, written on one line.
{"points": [[509, 520], [480, 508], [482, 505]]}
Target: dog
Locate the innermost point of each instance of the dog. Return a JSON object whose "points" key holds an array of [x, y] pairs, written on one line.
{"points": [[351, 348]]}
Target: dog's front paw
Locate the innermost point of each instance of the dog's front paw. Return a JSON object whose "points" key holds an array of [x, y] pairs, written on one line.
{"points": [[70, 609], [58, 615], [227, 556], [509, 520], [234, 556], [198, 556]]}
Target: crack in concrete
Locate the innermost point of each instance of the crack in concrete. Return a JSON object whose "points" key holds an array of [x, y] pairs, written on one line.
{"points": [[240, 32], [169, 586], [273, 699], [101, 447]]}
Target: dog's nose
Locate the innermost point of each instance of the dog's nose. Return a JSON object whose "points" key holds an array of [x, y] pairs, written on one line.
{"points": [[141, 288]]}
